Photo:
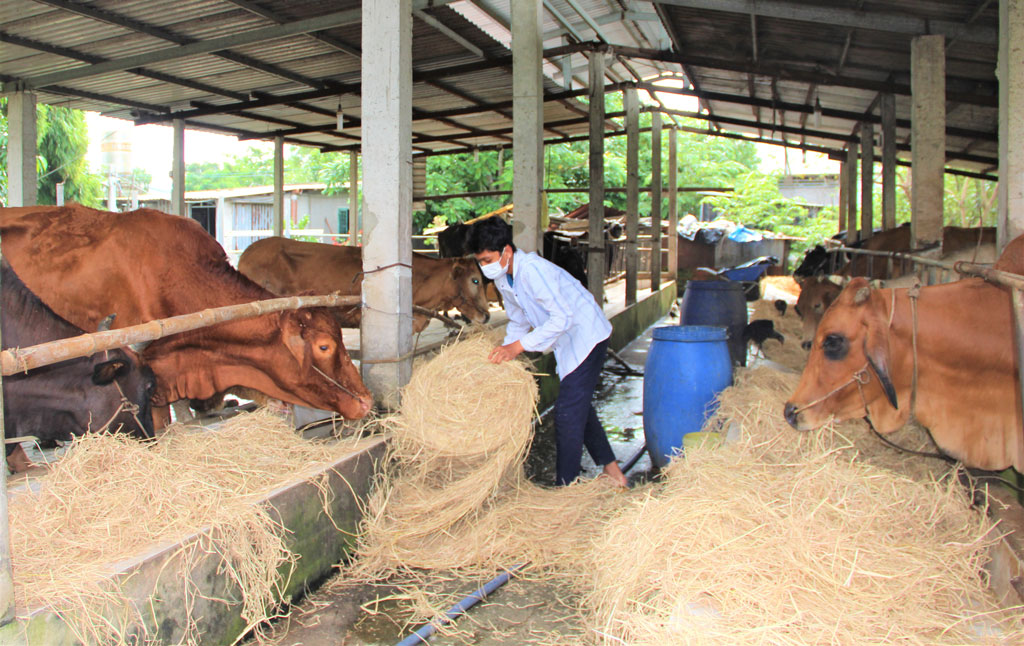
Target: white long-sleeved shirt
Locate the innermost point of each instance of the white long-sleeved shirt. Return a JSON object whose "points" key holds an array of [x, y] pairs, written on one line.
{"points": [[547, 307]]}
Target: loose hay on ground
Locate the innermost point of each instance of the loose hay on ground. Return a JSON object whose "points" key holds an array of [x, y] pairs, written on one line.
{"points": [[111, 497], [780, 538]]}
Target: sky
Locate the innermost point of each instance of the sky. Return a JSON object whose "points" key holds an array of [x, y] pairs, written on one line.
{"points": [[151, 147]]}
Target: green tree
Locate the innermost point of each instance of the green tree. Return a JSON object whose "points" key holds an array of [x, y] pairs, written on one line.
{"points": [[62, 141]]}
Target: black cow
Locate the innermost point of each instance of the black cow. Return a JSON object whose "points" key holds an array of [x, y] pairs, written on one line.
{"points": [[71, 397], [451, 243]]}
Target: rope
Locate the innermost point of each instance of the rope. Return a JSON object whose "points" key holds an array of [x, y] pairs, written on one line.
{"points": [[340, 387]]}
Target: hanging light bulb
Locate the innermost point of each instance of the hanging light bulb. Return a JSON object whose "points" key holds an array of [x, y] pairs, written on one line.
{"points": [[341, 117], [817, 112]]}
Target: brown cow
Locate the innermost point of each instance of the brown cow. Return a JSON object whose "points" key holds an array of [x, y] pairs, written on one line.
{"points": [[288, 267], [146, 265], [968, 386]]}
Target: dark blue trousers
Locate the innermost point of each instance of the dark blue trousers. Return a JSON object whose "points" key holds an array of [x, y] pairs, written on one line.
{"points": [[576, 423]]}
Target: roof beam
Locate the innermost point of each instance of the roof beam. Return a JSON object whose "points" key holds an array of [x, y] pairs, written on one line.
{"points": [[285, 30], [792, 74], [336, 43], [92, 58], [875, 19], [826, 112]]}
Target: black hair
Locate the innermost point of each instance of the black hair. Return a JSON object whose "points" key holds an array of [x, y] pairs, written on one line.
{"points": [[489, 234]]}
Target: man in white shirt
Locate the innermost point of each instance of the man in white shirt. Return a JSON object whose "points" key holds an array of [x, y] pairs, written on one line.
{"points": [[548, 308]]}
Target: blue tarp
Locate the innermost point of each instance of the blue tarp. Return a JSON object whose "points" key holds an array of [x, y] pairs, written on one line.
{"points": [[743, 234]]}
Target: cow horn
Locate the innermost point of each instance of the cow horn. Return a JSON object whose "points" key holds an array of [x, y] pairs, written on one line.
{"points": [[105, 324], [139, 347], [839, 281], [862, 295]]}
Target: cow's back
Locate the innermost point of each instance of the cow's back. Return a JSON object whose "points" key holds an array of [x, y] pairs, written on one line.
{"points": [[141, 265], [287, 267]]}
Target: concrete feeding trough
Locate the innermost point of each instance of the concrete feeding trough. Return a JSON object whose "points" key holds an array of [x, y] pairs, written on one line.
{"points": [[153, 583]]}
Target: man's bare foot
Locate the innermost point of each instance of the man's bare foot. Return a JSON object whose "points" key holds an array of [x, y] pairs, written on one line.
{"points": [[612, 471]]}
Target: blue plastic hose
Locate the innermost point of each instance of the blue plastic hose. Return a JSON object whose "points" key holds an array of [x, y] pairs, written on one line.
{"points": [[631, 462], [425, 631]]}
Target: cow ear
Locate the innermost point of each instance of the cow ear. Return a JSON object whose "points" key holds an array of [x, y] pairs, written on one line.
{"points": [[876, 350], [291, 334], [458, 269], [105, 373]]}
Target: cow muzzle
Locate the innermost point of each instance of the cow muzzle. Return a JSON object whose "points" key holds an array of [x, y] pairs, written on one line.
{"points": [[792, 415]]}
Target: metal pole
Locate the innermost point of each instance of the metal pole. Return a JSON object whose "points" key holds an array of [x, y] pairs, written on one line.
{"points": [[278, 225], [354, 223], [673, 205]]}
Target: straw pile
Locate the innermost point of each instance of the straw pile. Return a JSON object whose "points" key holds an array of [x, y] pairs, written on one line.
{"points": [[795, 538], [111, 497], [778, 538]]}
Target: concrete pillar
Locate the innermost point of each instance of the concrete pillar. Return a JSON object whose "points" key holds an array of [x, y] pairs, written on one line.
{"points": [[1010, 71], [888, 107], [852, 235], [386, 329], [655, 201], [844, 190], [178, 168], [867, 180], [928, 137], [353, 198], [527, 123], [278, 224], [225, 224], [596, 257], [632, 105], [673, 204], [22, 187]]}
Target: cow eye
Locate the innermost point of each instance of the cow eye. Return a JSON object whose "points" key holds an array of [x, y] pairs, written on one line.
{"points": [[476, 281], [835, 347], [324, 348]]}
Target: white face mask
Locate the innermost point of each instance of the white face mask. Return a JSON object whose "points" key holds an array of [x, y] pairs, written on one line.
{"points": [[494, 270]]}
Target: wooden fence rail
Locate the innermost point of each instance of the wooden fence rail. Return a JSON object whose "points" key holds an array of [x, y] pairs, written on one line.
{"points": [[22, 359]]}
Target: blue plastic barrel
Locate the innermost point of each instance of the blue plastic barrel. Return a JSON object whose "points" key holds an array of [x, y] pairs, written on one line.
{"points": [[719, 303], [687, 366]]}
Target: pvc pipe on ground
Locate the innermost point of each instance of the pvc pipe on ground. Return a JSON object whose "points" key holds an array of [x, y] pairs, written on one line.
{"points": [[425, 631]]}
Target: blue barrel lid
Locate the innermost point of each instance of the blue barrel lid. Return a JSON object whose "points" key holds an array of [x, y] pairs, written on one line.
{"points": [[691, 333], [713, 284]]}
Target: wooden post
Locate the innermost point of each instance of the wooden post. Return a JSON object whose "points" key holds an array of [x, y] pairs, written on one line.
{"points": [[353, 198], [888, 161], [632, 105], [851, 193], [596, 262], [655, 201], [867, 180], [278, 224], [673, 205]]}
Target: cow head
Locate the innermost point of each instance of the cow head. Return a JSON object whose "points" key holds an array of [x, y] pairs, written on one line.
{"points": [[851, 344], [320, 372], [122, 393], [816, 294], [471, 290]]}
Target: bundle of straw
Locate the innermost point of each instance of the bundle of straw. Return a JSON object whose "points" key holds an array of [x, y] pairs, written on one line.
{"points": [[457, 497], [111, 497]]}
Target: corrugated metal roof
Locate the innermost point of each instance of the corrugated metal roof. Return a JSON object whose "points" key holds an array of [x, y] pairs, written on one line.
{"points": [[798, 61]]}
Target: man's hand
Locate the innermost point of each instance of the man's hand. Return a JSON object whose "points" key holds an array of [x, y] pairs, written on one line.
{"points": [[503, 353]]}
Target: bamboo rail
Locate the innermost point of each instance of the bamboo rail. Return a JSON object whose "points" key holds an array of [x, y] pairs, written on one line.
{"points": [[17, 360]]}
